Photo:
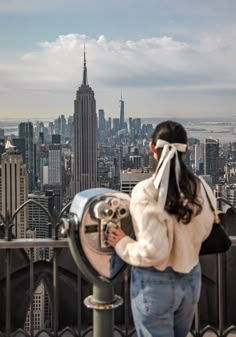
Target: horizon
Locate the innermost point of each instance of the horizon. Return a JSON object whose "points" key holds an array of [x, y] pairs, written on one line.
{"points": [[218, 119]]}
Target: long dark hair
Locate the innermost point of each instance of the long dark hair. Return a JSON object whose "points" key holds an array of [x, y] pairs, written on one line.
{"points": [[174, 132]]}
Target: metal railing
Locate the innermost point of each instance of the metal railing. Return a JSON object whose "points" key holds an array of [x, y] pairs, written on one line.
{"points": [[13, 277]]}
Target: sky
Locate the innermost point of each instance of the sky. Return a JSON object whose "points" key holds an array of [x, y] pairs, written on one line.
{"points": [[169, 58]]}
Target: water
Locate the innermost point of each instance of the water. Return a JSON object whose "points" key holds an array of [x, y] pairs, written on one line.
{"points": [[222, 129]]}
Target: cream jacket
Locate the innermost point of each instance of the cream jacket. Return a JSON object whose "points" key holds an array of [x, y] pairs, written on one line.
{"points": [[160, 240]]}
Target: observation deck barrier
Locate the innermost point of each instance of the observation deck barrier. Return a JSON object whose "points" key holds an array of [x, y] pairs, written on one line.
{"points": [[59, 310]]}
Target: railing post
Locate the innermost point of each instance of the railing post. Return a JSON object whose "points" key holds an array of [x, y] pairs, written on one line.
{"points": [[127, 302], [55, 294], [79, 306], [31, 292], [220, 293], [8, 292], [196, 322]]}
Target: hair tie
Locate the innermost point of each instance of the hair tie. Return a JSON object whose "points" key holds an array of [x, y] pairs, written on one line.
{"points": [[162, 173]]}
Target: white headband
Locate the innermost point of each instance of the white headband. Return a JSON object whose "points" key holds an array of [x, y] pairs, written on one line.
{"points": [[161, 175]]}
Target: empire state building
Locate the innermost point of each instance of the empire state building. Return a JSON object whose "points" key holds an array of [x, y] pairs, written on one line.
{"points": [[85, 132]]}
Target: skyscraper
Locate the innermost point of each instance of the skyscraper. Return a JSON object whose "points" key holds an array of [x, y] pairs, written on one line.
{"points": [[13, 187], [122, 113], [85, 135], [229, 193], [101, 120], [38, 226], [116, 124], [54, 164], [26, 131], [211, 156], [56, 139], [198, 158], [129, 178], [42, 315]]}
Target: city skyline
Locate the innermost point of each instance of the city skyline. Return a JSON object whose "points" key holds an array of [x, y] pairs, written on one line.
{"points": [[167, 59]]}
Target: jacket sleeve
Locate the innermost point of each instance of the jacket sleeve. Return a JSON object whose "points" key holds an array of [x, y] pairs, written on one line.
{"points": [[151, 246]]}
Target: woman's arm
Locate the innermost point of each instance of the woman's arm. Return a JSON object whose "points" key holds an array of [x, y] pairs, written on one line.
{"points": [[151, 246]]}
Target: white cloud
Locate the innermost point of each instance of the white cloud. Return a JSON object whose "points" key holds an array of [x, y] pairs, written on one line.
{"points": [[156, 64], [151, 62]]}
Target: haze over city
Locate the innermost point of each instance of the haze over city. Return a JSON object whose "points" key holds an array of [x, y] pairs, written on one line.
{"points": [[166, 58]]}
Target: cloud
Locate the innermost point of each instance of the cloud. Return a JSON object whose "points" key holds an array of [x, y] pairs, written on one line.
{"points": [[152, 62], [158, 64]]}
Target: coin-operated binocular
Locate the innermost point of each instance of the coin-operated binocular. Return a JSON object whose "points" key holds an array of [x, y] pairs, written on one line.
{"points": [[92, 213]]}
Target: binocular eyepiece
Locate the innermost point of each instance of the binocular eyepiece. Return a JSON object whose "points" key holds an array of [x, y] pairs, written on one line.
{"points": [[110, 208]]}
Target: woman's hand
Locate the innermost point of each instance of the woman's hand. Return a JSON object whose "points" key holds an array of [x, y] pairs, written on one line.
{"points": [[114, 236]]}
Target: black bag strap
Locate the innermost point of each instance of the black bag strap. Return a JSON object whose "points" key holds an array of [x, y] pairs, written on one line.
{"points": [[210, 203]]}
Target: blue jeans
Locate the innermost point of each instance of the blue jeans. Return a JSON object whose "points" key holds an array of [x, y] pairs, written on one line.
{"points": [[163, 302]]}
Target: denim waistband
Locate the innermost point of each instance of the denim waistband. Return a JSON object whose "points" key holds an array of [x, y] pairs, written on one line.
{"points": [[167, 270]]}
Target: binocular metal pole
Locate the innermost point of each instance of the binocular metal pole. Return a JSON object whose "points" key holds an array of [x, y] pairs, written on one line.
{"points": [[103, 302]]}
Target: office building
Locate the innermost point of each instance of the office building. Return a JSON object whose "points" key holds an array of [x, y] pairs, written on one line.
{"points": [[101, 120], [122, 113], [198, 158], [13, 187], [56, 139], [230, 173], [54, 164], [2, 146], [147, 129], [129, 178], [60, 126], [116, 124], [136, 161], [19, 143], [38, 222], [37, 217], [108, 123], [26, 131], [42, 311], [85, 136], [42, 166], [211, 157], [137, 122], [229, 193], [134, 126]]}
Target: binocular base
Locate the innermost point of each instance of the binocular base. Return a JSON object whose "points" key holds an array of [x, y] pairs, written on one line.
{"points": [[91, 303]]}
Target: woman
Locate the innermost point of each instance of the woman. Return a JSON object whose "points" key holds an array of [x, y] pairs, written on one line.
{"points": [[171, 218]]}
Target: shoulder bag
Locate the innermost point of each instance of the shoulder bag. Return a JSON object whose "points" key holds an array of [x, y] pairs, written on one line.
{"points": [[218, 240]]}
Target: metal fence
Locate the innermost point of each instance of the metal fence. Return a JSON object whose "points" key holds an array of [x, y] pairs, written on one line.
{"points": [[20, 275]]}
